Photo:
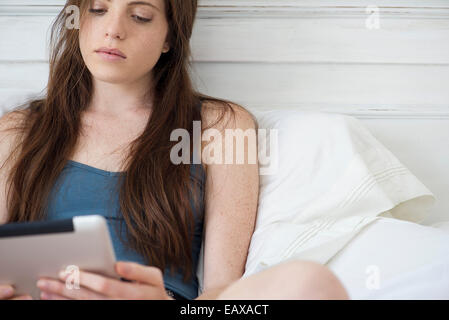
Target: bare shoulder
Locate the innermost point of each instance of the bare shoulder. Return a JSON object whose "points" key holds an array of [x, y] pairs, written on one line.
{"points": [[9, 137], [221, 117], [10, 123], [235, 117], [12, 119]]}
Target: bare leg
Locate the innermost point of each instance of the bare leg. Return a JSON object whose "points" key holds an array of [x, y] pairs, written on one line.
{"points": [[291, 280]]}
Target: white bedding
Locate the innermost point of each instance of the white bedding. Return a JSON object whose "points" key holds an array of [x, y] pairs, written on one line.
{"points": [[334, 185], [410, 261], [428, 282], [334, 178]]}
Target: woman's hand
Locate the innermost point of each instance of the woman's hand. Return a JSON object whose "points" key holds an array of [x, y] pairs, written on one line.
{"points": [[147, 283], [7, 293]]}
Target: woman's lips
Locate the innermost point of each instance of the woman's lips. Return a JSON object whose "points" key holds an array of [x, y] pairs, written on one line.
{"points": [[110, 56], [112, 51]]}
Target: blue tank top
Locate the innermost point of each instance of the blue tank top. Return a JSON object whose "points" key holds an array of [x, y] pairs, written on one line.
{"points": [[84, 190]]}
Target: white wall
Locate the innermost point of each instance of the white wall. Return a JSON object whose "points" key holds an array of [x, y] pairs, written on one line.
{"points": [[303, 54]]}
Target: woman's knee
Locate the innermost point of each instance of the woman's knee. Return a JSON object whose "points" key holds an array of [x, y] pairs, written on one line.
{"points": [[310, 280], [290, 280]]}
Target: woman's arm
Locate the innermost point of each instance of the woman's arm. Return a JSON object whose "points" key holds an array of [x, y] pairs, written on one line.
{"points": [[7, 121], [231, 199], [7, 142]]}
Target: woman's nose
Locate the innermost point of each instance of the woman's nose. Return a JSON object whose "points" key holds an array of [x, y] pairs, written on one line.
{"points": [[114, 35], [115, 28]]}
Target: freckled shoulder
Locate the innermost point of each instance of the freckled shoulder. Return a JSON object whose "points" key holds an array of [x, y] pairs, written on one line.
{"points": [[212, 111], [9, 138]]}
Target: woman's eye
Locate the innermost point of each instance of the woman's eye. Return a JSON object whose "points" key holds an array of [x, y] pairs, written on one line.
{"points": [[136, 18], [140, 19], [96, 11]]}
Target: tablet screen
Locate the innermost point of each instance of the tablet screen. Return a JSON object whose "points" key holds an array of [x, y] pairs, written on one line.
{"points": [[30, 250], [36, 227]]}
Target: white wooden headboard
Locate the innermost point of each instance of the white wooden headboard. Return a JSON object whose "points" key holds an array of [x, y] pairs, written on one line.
{"points": [[385, 62]]}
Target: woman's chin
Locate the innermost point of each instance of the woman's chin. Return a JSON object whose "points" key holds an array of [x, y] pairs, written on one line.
{"points": [[110, 77]]}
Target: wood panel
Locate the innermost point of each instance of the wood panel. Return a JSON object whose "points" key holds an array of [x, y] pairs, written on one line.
{"points": [[303, 54]]}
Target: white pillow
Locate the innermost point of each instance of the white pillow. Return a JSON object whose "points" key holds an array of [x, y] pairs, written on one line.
{"points": [[333, 179]]}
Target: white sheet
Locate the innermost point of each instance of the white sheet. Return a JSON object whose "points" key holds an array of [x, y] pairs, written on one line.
{"points": [[427, 282], [410, 260]]}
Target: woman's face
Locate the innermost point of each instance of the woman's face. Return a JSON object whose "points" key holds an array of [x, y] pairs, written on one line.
{"points": [[136, 28]]}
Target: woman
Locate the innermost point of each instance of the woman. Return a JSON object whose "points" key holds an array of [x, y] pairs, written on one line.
{"points": [[99, 141]]}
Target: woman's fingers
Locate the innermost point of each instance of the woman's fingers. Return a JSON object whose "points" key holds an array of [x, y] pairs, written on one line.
{"points": [[111, 287], [6, 291], [25, 297], [58, 288], [147, 283], [52, 296], [144, 274]]}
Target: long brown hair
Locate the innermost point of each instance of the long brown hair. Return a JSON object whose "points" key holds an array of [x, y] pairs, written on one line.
{"points": [[154, 195]]}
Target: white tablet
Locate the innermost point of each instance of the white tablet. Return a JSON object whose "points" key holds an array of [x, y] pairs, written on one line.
{"points": [[32, 250]]}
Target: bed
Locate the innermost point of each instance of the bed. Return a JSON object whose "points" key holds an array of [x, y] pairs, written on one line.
{"points": [[336, 195], [371, 76], [374, 75]]}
